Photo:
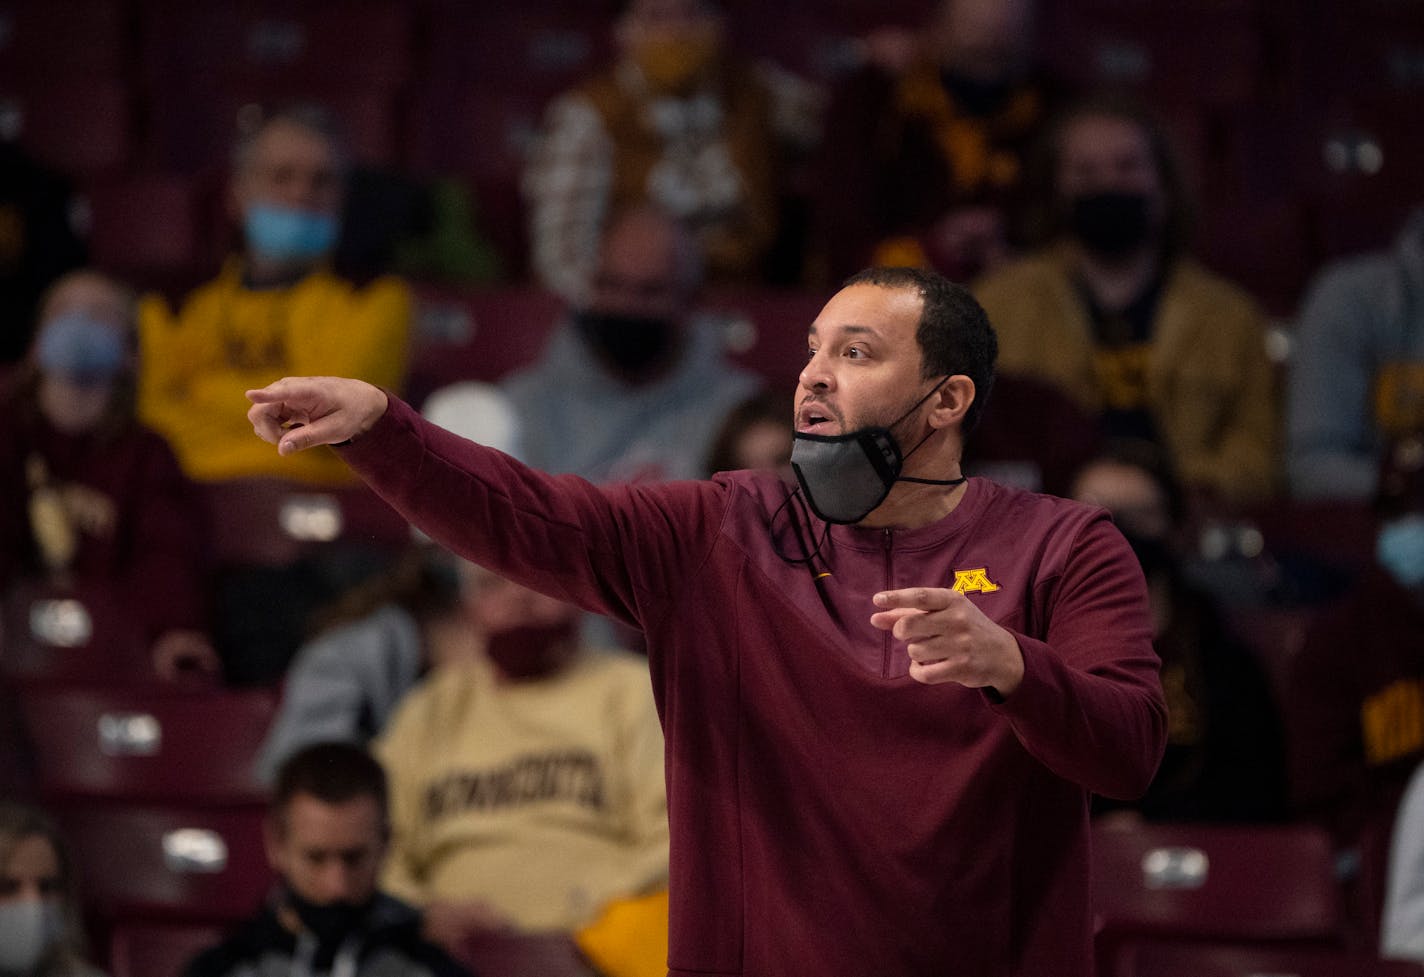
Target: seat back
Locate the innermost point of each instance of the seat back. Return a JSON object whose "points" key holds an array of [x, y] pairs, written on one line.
{"points": [[145, 949], [152, 745], [1245, 884], [157, 863], [1206, 960]]}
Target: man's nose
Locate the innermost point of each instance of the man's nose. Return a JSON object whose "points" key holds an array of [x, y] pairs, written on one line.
{"points": [[815, 375]]}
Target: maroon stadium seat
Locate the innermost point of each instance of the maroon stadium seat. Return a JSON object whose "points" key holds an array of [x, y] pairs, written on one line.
{"points": [[145, 949], [150, 745], [169, 863], [1204, 960], [1243, 884]]}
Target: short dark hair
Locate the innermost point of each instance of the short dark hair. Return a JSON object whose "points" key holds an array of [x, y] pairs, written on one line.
{"points": [[314, 117], [954, 332], [333, 773]]}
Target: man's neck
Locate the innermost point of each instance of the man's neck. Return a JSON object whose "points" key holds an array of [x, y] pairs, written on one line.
{"points": [[1117, 282], [911, 505]]}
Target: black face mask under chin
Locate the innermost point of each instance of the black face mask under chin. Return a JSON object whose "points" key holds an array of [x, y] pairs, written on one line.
{"points": [[632, 344], [331, 922], [845, 477]]}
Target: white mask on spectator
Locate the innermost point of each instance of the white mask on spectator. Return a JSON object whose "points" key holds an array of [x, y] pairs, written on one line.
{"points": [[28, 927]]}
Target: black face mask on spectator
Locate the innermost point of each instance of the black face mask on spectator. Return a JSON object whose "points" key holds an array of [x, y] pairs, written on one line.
{"points": [[1112, 223], [974, 96], [632, 343], [329, 923]]}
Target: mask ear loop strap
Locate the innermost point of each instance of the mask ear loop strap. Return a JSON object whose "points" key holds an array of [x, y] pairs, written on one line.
{"points": [[809, 555]]}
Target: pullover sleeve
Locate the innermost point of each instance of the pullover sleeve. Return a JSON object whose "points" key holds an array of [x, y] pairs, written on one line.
{"points": [[1090, 706], [621, 551]]}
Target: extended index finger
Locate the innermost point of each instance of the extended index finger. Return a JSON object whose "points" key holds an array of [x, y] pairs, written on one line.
{"points": [[920, 598]]}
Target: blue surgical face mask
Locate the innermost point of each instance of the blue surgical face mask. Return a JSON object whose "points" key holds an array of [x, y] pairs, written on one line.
{"points": [[288, 234], [28, 928], [1400, 550]]}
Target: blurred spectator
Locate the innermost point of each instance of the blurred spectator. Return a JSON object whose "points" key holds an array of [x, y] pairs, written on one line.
{"points": [[1355, 706], [275, 310], [376, 643], [1116, 313], [527, 784], [679, 122], [92, 503], [1031, 435], [1357, 371], [40, 932], [633, 386], [923, 161], [1225, 758], [756, 434], [38, 243], [327, 834], [1402, 930]]}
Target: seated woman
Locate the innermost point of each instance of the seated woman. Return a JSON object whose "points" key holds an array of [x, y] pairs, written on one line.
{"points": [[92, 503], [40, 934]]}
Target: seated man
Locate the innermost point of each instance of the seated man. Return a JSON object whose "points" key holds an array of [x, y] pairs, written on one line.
{"points": [[527, 786], [276, 309], [634, 386], [326, 838]]}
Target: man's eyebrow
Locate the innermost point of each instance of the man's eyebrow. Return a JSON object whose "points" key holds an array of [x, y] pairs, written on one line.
{"points": [[850, 328]]}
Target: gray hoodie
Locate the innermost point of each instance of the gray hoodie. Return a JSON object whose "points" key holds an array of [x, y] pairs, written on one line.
{"points": [[1362, 317]]}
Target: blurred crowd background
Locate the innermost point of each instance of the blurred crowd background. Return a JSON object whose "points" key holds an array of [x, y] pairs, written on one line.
{"points": [[593, 235]]}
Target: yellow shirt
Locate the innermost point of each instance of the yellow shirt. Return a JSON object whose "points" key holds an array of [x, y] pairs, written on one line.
{"points": [[228, 339], [544, 799]]}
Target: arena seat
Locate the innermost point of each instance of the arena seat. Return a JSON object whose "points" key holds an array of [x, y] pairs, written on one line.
{"points": [[61, 40], [479, 334], [273, 522], [1206, 960], [148, 949], [1247, 884], [169, 863], [159, 745], [83, 127], [55, 634], [152, 226], [496, 954], [357, 43]]}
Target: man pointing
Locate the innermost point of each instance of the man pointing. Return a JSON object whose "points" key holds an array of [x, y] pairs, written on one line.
{"points": [[887, 691]]}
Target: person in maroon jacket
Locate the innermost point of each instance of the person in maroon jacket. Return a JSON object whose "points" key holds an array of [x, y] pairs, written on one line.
{"points": [[92, 503], [887, 691]]}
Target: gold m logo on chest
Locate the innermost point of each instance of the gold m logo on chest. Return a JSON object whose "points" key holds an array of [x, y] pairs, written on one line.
{"points": [[969, 581]]}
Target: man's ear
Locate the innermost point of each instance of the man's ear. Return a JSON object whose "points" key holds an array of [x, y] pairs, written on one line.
{"points": [[953, 401]]}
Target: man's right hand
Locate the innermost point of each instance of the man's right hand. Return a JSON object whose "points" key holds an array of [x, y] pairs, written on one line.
{"points": [[296, 413]]}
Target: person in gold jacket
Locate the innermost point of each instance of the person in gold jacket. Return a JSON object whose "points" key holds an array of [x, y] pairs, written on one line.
{"points": [[1116, 314], [275, 309]]}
